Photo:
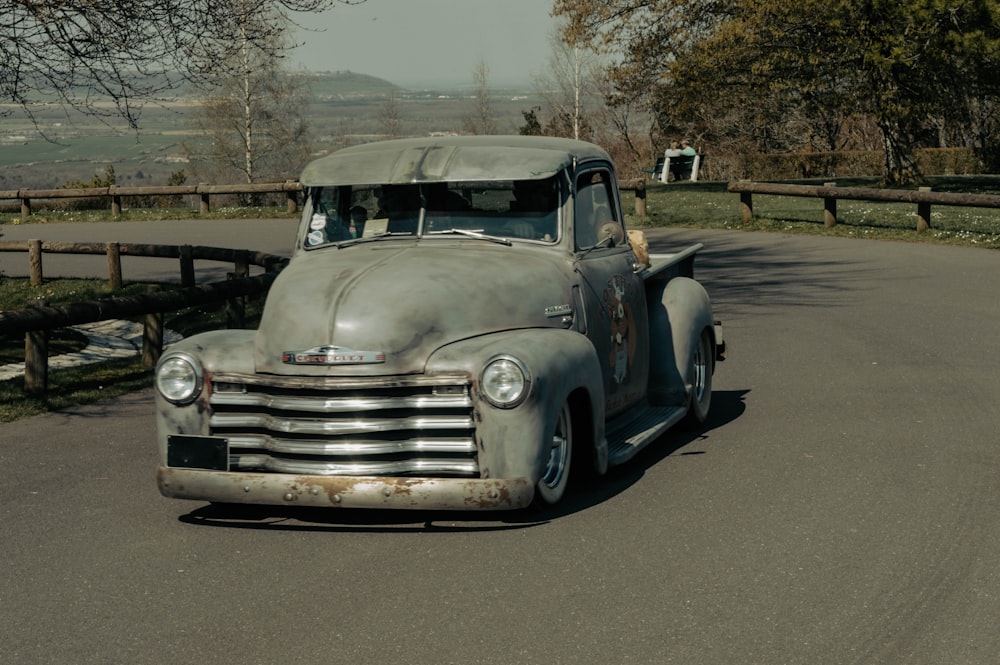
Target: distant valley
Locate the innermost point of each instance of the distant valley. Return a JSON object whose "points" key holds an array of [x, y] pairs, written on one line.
{"points": [[345, 107]]}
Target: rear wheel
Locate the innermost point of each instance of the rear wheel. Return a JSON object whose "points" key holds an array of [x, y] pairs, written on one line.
{"points": [[702, 361], [552, 485]]}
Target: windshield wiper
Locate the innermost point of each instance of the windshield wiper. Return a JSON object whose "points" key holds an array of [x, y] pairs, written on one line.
{"points": [[377, 236], [473, 234]]}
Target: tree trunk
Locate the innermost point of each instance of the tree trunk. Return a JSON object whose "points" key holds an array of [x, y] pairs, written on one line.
{"points": [[900, 167]]}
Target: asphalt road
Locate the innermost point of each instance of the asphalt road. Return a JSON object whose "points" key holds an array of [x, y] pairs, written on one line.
{"points": [[841, 507]]}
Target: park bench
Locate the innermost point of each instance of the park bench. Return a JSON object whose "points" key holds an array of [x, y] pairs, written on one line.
{"points": [[683, 167]]}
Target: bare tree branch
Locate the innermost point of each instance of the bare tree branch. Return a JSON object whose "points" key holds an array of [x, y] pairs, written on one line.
{"points": [[81, 54]]}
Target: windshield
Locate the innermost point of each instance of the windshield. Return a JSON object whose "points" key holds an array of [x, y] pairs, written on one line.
{"points": [[515, 209]]}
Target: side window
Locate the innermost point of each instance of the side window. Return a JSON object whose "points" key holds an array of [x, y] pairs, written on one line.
{"points": [[593, 206]]}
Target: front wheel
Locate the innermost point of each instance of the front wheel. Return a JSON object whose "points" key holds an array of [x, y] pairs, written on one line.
{"points": [[552, 485], [700, 398]]}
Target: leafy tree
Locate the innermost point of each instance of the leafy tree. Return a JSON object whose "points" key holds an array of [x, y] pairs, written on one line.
{"points": [[905, 64], [98, 181], [81, 53], [532, 126]]}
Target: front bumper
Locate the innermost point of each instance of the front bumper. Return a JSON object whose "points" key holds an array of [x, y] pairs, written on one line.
{"points": [[346, 491]]}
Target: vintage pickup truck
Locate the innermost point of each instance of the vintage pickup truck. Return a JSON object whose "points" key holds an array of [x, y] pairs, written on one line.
{"points": [[463, 320]]}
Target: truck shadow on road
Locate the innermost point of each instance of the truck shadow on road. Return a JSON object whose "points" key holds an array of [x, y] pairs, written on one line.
{"points": [[727, 406]]}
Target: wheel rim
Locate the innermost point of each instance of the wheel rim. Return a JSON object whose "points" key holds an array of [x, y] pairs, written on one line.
{"points": [[701, 369], [556, 470]]}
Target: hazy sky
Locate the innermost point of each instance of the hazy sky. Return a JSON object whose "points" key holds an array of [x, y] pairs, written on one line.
{"points": [[413, 42]]}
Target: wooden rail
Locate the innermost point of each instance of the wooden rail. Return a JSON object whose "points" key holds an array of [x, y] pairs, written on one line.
{"points": [[35, 322], [923, 198], [291, 188], [115, 194], [185, 253]]}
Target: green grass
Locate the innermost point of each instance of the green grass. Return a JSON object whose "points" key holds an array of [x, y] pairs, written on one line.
{"points": [[708, 205], [74, 386], [16, 293], [63, 340], [88, 383]]}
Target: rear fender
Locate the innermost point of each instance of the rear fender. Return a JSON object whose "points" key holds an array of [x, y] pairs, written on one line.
{"points": [[677, 316]]}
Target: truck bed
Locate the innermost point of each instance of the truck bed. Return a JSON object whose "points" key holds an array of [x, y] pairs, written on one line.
{"points": [[667, 266]]}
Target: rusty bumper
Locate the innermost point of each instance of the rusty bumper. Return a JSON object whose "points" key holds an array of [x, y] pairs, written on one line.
{"points": [[346, 492]]}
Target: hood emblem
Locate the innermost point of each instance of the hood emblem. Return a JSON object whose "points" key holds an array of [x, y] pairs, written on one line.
{"points": [[558, 310], [332, 355]]}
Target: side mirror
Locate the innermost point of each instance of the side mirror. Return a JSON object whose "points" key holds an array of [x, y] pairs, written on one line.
{"points": [[611, 234]]}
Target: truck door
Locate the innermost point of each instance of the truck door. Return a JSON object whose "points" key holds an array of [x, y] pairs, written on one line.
{"points": [[614, 297]]}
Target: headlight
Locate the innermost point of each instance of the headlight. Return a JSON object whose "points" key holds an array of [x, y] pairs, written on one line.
{"points": [[505, 381], [178, 378]]}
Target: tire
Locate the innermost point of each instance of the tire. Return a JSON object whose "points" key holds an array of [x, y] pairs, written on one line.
{"points": [[552, 485], [702, 365]]}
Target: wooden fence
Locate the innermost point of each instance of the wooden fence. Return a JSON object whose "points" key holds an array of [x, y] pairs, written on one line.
{"points": [[114, 194], [923, 198], [36, 322], [291, 188]]}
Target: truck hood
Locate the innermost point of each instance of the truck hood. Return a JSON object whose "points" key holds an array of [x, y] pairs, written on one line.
{"points": [[382, 308]]}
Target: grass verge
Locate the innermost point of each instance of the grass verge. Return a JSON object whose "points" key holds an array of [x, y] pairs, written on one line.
{"points": [[710, 206], [74, 386], [86, 384]]}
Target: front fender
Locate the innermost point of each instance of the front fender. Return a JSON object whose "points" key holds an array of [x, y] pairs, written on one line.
{"points": [[229, 350], [677, 317], [563, 364]]}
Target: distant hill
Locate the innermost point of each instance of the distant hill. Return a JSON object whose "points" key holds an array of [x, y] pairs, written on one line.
{"points": [[347, 85]]}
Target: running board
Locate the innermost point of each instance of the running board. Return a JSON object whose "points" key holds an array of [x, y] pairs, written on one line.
{"points": [[627, 438]]}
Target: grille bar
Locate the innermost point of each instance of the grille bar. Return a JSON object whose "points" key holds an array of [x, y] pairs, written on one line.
{"points": [[340, 404], [286, 425], [390, 426], [310, 467], [349, 447]]}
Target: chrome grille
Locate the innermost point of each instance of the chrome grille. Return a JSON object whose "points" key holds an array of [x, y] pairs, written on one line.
{"points": [[389, 426]]}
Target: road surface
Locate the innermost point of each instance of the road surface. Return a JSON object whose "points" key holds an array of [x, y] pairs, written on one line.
{"points": [[841, 507]]}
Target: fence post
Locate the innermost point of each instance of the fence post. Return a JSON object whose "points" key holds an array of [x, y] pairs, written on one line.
{"points": [[206, 206], [35, 261], [116, 205], [829, 208], [187, 265], [114, 266], [152, 335], [36, 359], [746, 207], [293, 201], [242, 263], [236, 308], [923, 213], [640, 198], [25, 206]]}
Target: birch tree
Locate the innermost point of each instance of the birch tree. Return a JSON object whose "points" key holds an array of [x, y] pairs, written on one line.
{"points": [[481, 118], [252, 120]]}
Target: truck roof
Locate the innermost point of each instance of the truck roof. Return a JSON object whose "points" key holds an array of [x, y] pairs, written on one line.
{"points": [[449, 158]]}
